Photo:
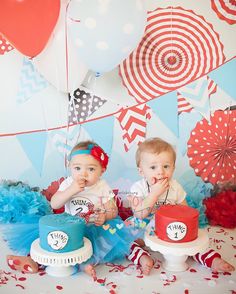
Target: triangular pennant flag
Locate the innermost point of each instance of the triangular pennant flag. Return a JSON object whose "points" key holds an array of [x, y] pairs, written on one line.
{"points": [[34, 145], [166, 108], [224, 77], [187, 122], [212, 86], [96, 130], [31, 82], [5, 45], [65, 139], [197, 95], [133, 122], [183, 104], [82, 104]]}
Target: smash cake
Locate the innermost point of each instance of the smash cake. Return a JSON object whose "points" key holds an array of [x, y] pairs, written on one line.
{"points": [[176, 223], [61, 233]]}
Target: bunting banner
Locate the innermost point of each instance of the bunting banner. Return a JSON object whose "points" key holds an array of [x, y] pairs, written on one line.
{"points": [[34, 145], [82, 105], [197, 95], [101, 131], [31, 82], [224, 77], [65, 139], [133, 122], [5, 46], [166, 108], [183, 104]]}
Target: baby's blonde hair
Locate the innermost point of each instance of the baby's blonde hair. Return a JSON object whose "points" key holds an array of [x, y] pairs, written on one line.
{"points": [[155, 146]]}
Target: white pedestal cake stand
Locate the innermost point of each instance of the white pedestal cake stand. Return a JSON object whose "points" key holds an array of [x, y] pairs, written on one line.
{"points": [[61, 264], [176, 254]]}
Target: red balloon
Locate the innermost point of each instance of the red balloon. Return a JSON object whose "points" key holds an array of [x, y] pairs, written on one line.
{"points": [[28, 24]]}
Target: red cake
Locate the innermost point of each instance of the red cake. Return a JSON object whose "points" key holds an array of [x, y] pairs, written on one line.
{"points": [[176, 223]]}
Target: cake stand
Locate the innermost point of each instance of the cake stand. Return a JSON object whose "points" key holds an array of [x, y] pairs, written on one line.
{"points": [[176, 254], [61, 264]]}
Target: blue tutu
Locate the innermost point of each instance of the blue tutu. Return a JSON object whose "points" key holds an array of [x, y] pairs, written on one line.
{"points": [[111, 241], [21, 207]]}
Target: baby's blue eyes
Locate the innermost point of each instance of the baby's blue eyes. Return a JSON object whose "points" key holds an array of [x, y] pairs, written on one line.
{"points": [[155, 167], [91, 169]]}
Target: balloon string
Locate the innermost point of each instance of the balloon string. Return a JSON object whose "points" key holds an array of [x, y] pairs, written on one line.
{"points": [[71, 98], [66, 39]]}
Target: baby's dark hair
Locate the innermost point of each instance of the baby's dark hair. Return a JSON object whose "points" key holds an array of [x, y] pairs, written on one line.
{"points": [[155, 146]]}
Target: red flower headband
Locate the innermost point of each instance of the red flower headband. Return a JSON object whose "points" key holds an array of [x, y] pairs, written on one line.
{"points": [[94, 150]]}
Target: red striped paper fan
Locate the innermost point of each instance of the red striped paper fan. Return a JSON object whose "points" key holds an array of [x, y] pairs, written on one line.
{"points": [[212, 147], [225, 10], [177, 48]]}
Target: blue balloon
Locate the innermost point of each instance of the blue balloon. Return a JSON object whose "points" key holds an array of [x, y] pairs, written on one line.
{"points": [[106, 32]]}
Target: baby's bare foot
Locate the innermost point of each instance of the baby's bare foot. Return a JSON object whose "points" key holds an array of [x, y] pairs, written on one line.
{"points": [[146, 263], [22, 263], [90, 270], [221, 265]]}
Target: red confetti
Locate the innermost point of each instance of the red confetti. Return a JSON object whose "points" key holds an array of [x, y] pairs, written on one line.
{"points": [[59, 287], [186, 291], [192, 270], [14, 277], [18, 285], [101, 281], [220, 231], [22, 279], [42, 273], [226, 274], [166, 284], [112, 291], [140, 277]]}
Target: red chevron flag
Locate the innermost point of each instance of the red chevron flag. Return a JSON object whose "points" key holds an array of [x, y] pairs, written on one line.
{"points": [[212, 86], [133, 122], [183, 104]]}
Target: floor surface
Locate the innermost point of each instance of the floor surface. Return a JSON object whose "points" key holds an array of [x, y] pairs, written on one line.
{"points": [[127, 278]]}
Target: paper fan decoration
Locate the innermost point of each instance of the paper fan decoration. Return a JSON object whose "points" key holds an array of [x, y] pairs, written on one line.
{"points": [[212, 147], [225, 10], [177, 48]]}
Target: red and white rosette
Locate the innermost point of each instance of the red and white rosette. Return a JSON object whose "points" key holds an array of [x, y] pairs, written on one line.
{"points": [[225, 10], [177, 48], [212, 147]]}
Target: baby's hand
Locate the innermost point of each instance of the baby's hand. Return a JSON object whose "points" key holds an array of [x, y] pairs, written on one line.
{"points": [[100, 218], [78, 186], [159, 186]]}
